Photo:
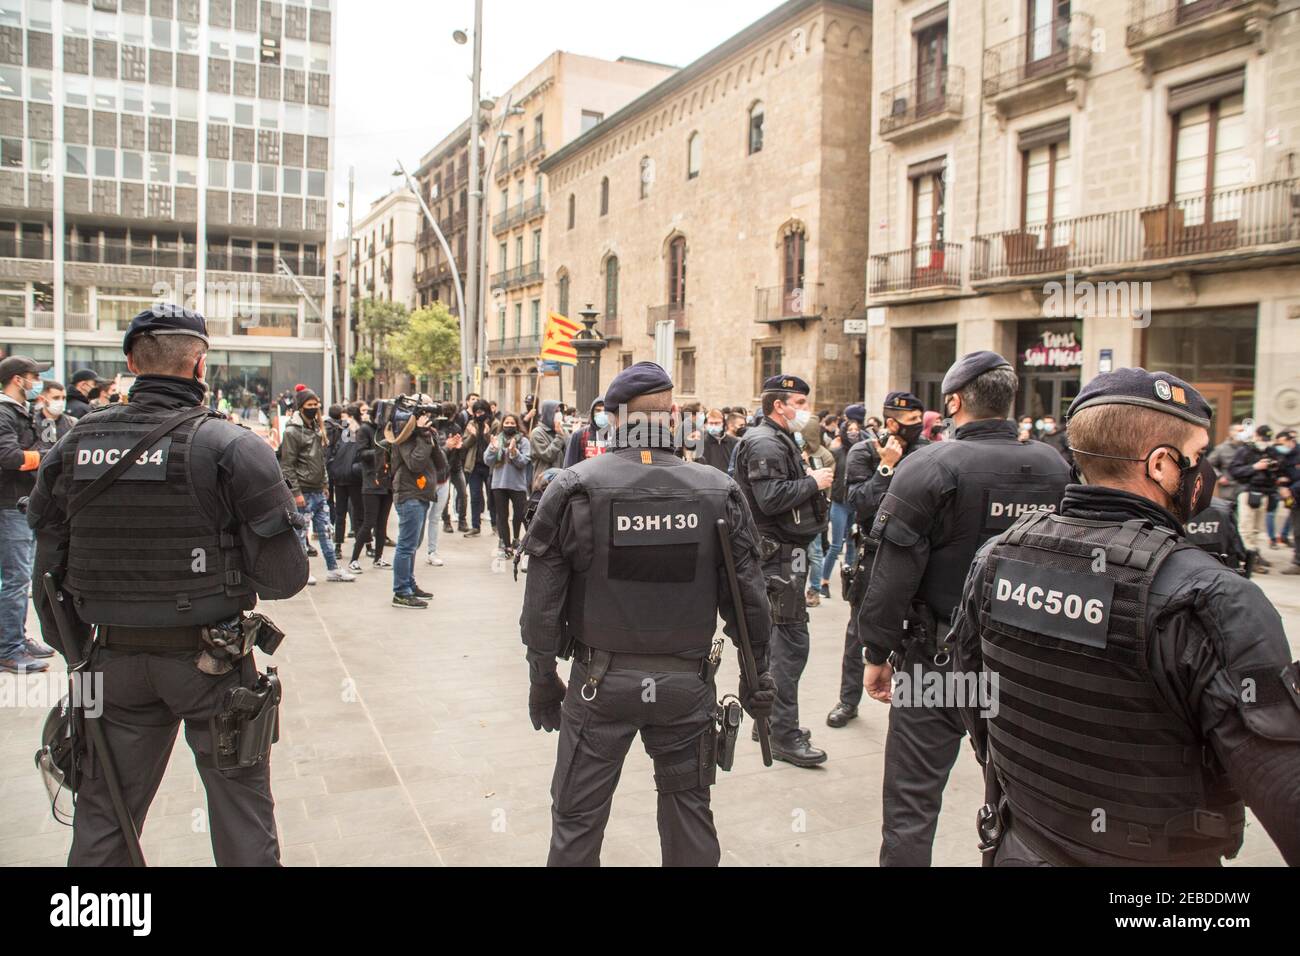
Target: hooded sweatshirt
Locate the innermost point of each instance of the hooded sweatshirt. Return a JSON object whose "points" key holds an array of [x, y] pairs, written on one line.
{"points": [[819, 456], [547, 444], [587, 442]]}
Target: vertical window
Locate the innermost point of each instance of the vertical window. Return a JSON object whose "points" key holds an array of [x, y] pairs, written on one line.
{"points": [[931, 67], [564, 296], [1047, 39], [686, 371], [537, 128], [1209, 155], [519, 319], [604, 196], [769, 364], [501, 256], [535, 317], [501, 322], [611, 288], [677, 274], [693, 156], [927, 216], [519, 250], [505, 199], [537, 247], [756, 128], [792, 274], [572, 205], [1046, 171]]}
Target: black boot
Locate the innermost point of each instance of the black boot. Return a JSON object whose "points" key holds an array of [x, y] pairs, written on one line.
{"points": [[841, 714], [799, 752], [462, 526]]}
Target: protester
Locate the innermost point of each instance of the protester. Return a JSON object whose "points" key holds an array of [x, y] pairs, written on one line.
{"points": [[83, 380], [52, 420], [302, 459], [478, 433], [586, 442], [715, 445], [344, 471], [817, 456], [546, 442], [419, 466], [376, 495], [508, 456]]}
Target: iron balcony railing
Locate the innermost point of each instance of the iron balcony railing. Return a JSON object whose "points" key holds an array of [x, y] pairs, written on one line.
{"points": [[1046, 50], [787, 301], [679, 312], [521, 211], [1227, 221], [25, 248], [938, 94], [516, 346], [924, 265], [1150, 19], [536, 147]]}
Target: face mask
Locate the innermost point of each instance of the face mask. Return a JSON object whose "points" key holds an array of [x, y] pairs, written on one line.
{"points": [[908, 434], [715, 430], [56, 408], [509, 431], [798, 439], [1049, 428], [34, 391], [310, 413], [801, 418], [1281, 449], [600, 420], [853, 437], [1195, 487]]}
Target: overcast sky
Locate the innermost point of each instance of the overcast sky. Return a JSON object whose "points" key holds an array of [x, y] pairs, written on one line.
{"points": [[402, 82]]}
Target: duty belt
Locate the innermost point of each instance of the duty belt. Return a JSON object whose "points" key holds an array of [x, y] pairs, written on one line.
{"points": [[599, 662], [119, 638]]}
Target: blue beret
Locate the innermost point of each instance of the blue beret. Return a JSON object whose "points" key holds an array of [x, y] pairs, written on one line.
{"points": [[786, 383], [166, 319], [856, 413], [1136, 386], [903, 401], [970, 367], [643, 378]]}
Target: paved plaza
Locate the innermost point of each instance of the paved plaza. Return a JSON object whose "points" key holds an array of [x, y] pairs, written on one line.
{"points": [[405, 741]]}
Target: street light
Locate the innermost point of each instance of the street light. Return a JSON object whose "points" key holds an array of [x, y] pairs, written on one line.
{"points": [[460, 36], [480, 311]]}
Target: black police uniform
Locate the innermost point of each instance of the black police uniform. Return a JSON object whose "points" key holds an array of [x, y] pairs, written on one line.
{"points": [[625, 575], [1215, 531], [789, 511], [944, 502], [1144, 688], [189, 535]]}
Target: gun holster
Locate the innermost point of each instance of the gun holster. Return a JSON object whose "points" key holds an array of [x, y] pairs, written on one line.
{"points": [[248, 724], [728, 716], [923, 634]]}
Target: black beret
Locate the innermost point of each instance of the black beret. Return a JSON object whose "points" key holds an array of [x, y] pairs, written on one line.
{"points": [[85, 375], [643, 378], [970, 367], [1136, 386], [903, 402], [856, 413], [786, 383], [166, 319]]}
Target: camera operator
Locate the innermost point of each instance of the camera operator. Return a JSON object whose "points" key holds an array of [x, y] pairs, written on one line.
{"points": [[1257, 467], [419, 466]]}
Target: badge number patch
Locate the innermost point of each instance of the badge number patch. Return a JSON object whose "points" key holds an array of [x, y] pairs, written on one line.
{"points": [[1002, 506], [635, 523], [1072, 607], [98, 453]]}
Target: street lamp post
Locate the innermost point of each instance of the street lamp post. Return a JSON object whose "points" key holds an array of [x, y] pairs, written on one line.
{"points": [[476, 186], [588, 344], [481, 312]]}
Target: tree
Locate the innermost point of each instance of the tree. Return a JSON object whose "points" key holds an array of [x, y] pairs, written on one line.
{"points": [[430, 343], [381, 324]]}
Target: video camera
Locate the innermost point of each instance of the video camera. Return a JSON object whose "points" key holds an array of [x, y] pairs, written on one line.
{"points": [[396, 411]]}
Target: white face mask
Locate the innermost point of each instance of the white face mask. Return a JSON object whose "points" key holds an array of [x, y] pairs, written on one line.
{"points": [[801, 418], [56, 408]]}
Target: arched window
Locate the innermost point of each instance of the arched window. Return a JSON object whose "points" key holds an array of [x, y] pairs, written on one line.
{"points": [[693, 156], [604, 196], [611, 293], [647, 175], [564, 295], [756, 128], [677, 276], [572, 208]]}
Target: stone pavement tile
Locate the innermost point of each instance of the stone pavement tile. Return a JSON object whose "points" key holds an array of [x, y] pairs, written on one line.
{"points": [[287, 784], [304, 855], [420, 859], [462, 790], [415, 764], [363, 822], [458, 825], [501, 850], [377, 801], [308, 830], [370, 849]]}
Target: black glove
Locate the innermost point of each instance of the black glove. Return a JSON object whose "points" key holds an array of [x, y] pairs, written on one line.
{"points": [[544, 703], [758, 702]]}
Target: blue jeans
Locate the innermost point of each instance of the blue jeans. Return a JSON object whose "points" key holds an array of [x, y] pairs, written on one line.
{"points": [[841, 522], [435, 515], [815, 557], [411, 515], [16, 541], [317, 510]]}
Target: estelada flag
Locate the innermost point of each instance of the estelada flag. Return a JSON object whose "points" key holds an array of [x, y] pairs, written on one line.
{"points": [[557, 342]]}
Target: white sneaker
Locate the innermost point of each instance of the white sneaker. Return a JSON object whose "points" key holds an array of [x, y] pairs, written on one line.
{"points": [[380, 563], [339, 575], [433, 559], [311, 579], [355, 567]]}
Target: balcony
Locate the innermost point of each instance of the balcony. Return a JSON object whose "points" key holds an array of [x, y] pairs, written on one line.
{"points": [[511, 160], [520, 346], [679, 312], [1164, 33], [1040, 67], [525, 210], [25, 248], [919, 107], [778, 303], [517, 276], [534, 208], [454, 222], [923, 266], [1244, 224], [536, 148]]}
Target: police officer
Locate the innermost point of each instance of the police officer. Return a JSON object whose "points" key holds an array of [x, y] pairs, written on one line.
{"points": [[870, 468], [626, 576], [945, 501], [1145, 689], [789, 510], [1215, 532], [161, 556]]}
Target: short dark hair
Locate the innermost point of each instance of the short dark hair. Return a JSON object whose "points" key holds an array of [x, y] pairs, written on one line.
{"points": [[167, 354], [771, 398], [1121, 432], [52, 386], [990, 395], [354, 410]]}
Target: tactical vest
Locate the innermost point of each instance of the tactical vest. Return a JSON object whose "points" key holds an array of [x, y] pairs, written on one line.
{"points": [[146, 551], [997, 483], [646, 577], [1214, 530], [1084, 747]]}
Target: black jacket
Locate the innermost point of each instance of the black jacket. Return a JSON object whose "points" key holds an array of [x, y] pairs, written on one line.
{"points": [[376, 474], [1243, 470], [716, 451], [18, 435], [78, 407], [1209, 632]]}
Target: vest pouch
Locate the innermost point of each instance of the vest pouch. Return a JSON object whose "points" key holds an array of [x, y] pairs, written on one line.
{"points": [[1274, 714]]}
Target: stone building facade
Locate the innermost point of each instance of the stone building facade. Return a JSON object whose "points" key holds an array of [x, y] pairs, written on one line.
{"points": [[1084, 186], [731, 201]]}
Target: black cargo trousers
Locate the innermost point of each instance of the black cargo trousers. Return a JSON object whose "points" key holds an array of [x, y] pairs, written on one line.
{"points": [[674, 714], [145, 697]]}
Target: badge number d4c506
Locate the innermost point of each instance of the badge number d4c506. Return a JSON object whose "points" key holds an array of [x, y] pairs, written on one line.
{"points": [[1063, 604]]}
